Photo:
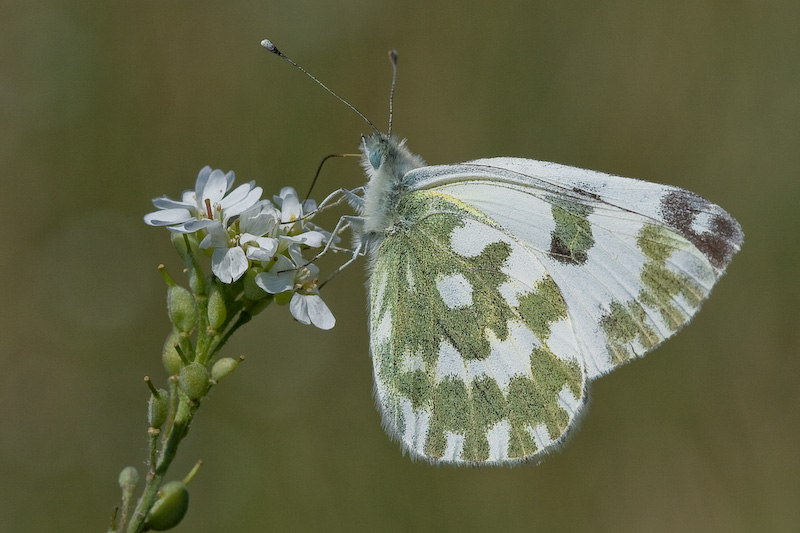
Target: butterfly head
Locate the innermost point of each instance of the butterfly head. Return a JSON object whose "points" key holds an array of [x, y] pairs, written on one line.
{"points": [[374, 149], [385, 156]]}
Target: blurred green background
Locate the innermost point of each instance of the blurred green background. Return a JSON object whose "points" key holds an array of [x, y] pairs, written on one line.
{"points": [[105, 105]]}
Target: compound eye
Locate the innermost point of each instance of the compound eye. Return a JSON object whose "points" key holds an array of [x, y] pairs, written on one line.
{"points": [[376, 158]]}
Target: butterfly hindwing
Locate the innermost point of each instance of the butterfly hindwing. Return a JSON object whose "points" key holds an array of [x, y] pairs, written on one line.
{"points": [[474, 354]]}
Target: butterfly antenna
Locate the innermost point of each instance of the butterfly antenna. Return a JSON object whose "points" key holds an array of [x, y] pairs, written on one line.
{"points": [[266, 43], [319, 169], [393, 59]]}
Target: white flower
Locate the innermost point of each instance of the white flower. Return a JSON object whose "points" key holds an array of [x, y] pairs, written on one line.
{"points": [[279, 278], [310, 309], [295, 225], [291, 209], [234, 247], [205, 205], [306, 304], [241, 230]]}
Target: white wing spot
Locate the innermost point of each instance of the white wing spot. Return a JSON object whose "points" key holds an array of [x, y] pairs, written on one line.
{"points": [[410, 277], [454, 448], [382, 331], [450, 363], [411, 361], [702, 222], [378, 284], [524, 268], [568, 402], [510, 291], [455, 290], [416, 426], [540, 436], [498, 436], [472, 238], [507, 358]]}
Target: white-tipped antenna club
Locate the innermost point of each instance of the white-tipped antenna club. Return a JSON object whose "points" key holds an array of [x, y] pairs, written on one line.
{"points": [[266, 43]]}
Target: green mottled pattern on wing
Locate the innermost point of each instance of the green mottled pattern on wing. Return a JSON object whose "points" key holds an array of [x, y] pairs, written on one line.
{"points": [[415, 253], [667, 291]]}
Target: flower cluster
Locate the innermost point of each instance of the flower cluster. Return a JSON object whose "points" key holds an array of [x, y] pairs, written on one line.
{"points": [[245, 234]]}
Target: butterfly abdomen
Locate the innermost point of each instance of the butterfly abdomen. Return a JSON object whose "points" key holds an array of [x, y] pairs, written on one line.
{"points": [[386, 161]]}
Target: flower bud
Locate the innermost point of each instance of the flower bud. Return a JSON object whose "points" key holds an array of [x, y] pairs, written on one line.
{"points": [[182, 308], [251, 290], [223, 367], [169, 355], [193, 379], [170, 507], [157, 408], [129, 477], [217, 310]]}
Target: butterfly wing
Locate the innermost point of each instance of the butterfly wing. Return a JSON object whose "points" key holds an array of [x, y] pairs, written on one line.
{"points": [[475, 357], [507, 284], [633, 260]]}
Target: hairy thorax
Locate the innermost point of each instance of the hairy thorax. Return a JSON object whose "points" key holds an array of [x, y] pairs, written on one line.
{"points": [[386, 161]]}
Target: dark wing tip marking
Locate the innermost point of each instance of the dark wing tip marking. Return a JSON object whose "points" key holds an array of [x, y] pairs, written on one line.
{"points": [[724, 236]]}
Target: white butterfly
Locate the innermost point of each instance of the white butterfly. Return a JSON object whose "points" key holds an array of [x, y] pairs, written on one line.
{"points": [[499, 288]]}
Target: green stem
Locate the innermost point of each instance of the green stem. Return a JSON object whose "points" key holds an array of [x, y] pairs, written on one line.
{"points": [[243, 318], [155, 475]]}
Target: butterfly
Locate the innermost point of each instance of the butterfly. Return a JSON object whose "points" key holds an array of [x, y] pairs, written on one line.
{"points": [[500, 288]]}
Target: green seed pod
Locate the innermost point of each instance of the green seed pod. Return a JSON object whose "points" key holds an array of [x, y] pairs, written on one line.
{"points": [[157, 408], [217, 310], [169, 355], [193, 379], [182, 413], [224, 367], [197, 280], [251, 290], [170, 507], [182, 308], [129, 477]]}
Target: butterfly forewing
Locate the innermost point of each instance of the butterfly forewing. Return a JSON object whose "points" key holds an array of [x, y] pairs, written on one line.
{"points": [[474, 353], [633, 260]]}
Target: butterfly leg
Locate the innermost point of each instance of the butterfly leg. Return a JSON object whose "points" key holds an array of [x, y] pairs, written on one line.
{"points": [[338, 196], [345, 222], [356, 224]]}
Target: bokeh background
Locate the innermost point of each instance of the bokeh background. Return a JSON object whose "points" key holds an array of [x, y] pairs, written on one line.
{"points": [[105, 105]]}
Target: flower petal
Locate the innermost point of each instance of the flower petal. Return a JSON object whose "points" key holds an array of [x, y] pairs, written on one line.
{"points": [[279, 278], [217, 237], [310, 309], [299, 308], [229, 179], [166, 217], [202, 179], [236, 195], [290, 205], [214, 189], [314, 239], [168, 203], [229, 264], [261, 249], [250, 200], [258, 220], [194, 225], [309, 206]]}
